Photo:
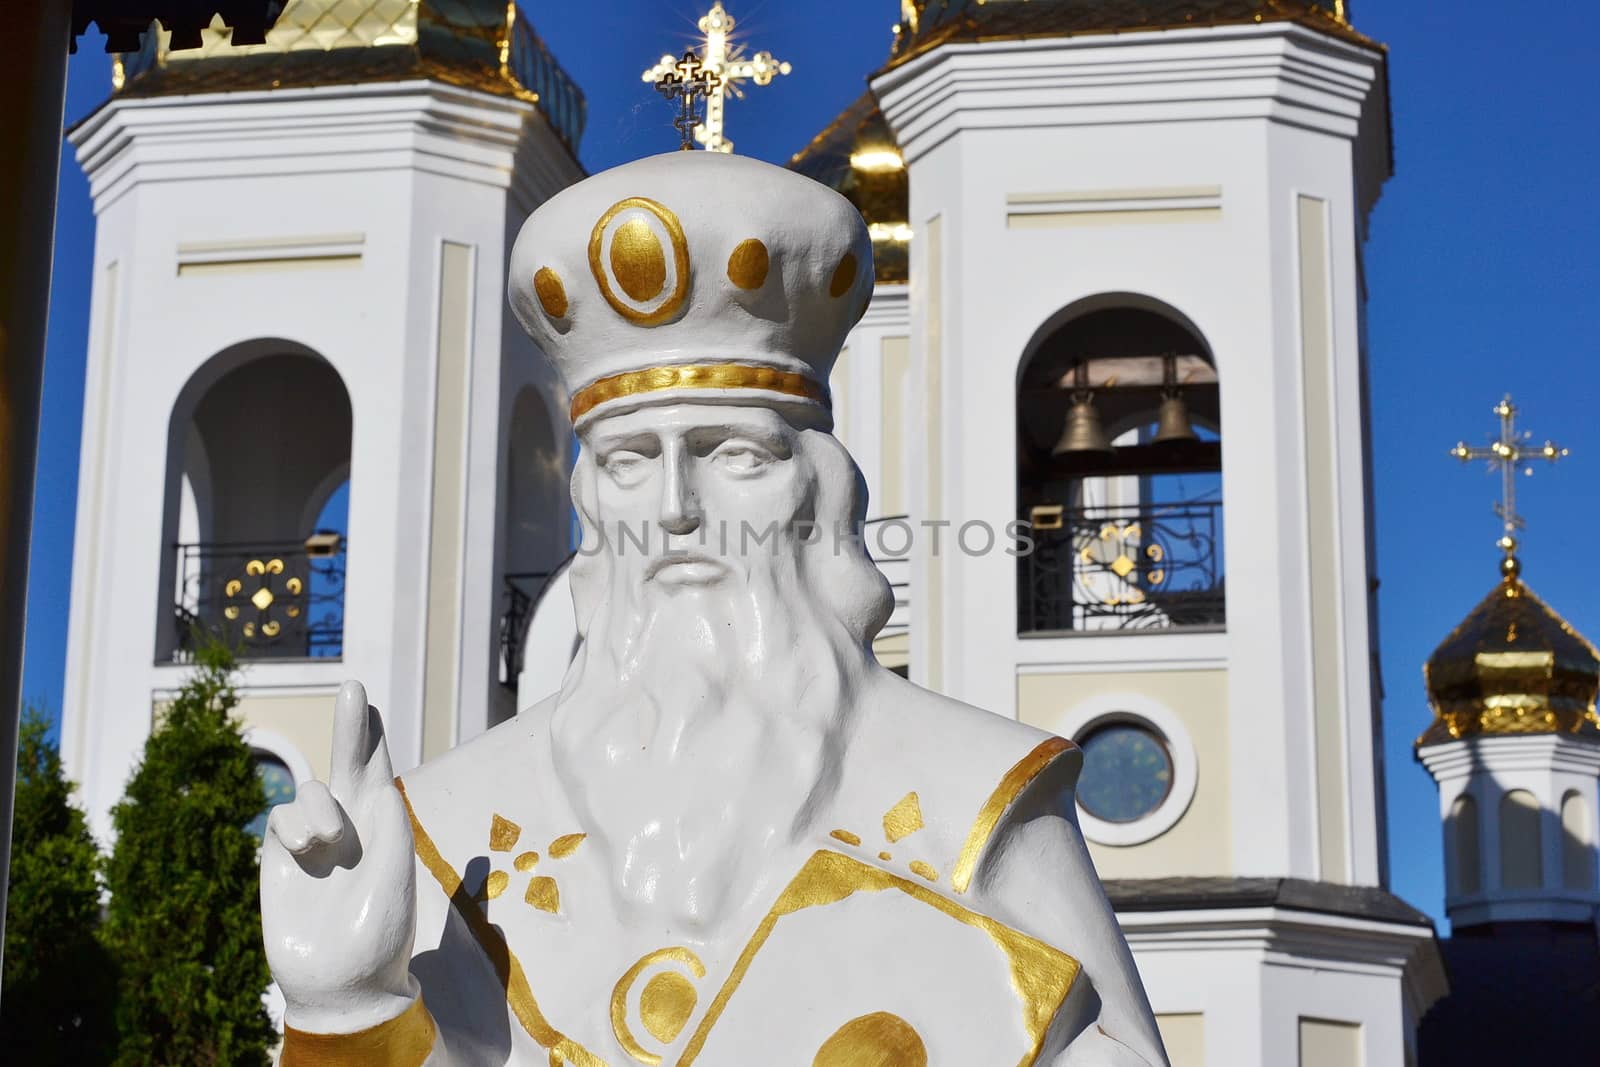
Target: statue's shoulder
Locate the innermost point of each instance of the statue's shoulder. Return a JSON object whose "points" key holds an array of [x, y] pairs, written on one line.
{"points": [[956, 773], [499, 750], [502, 778]]}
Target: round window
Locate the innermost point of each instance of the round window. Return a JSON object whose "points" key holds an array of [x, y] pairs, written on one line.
{"points": [[277, 781], [1127, 772]]}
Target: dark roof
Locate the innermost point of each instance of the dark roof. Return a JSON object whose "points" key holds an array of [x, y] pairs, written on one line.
{"points": [[882, 196], [1296, 894], [1520, 993], [942, 21], [458, 42]]}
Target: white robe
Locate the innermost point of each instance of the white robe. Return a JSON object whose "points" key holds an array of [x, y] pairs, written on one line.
{"points": [[945, 904]]}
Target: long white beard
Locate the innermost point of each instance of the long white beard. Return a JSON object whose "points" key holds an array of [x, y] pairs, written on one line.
{"points": [[699, 734]]}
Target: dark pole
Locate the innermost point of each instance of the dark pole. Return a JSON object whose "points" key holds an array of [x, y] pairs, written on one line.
{"points": [[33, 82]]}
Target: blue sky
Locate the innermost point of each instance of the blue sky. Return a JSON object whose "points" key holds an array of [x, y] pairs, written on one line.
{"points": [[1481, 268]]}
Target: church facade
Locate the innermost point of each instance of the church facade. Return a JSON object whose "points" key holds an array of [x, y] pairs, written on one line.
{"points": [[1109, 398]]}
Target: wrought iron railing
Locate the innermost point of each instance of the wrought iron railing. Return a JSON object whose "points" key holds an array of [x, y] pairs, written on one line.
{"points": [[559, 96], [523, 591], [270, 600], [1148, 567]]}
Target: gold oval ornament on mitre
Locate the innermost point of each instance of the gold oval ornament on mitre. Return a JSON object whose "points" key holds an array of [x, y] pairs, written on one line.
{"points": [[640, 259]]}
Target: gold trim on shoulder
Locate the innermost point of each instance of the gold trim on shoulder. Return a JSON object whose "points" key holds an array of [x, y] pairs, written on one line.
{"points": [[696, 376], [1041, 975], [404, 1041], [1005, 794], [508, 970]]}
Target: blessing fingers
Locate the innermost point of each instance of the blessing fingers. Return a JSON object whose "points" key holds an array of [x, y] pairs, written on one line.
{"points": [[311, 821]]}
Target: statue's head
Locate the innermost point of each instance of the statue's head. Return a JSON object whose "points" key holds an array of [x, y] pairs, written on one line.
{"points": [[694, 305]]}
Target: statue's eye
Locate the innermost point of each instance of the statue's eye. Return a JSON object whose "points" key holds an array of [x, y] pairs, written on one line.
{"points": [[741, 457], [626, 468]]}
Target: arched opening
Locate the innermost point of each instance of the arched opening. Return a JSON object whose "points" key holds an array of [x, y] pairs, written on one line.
{"points": [[1463, 828], [538, 521], [1119, 472], [1577, 851], [1520, 846], [257, 502], [277, 781]]}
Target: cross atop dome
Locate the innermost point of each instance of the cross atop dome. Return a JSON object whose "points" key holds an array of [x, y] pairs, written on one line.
{"points": [[1509, 453], [724, 59]]}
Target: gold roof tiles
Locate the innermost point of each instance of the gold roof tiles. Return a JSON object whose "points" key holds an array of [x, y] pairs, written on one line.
{"points": [[856, 156], [478, 44], [1513, 666]]}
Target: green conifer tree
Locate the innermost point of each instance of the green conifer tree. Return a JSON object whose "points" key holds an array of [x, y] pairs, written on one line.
{"points": [[184, 923], [57, 1007]]}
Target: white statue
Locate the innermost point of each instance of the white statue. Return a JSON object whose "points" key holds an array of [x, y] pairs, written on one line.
{"points": [[733, 838]]}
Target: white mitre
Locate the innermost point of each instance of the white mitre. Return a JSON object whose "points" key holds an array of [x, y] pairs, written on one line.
{"points": [[939, 907], [693, 276]]}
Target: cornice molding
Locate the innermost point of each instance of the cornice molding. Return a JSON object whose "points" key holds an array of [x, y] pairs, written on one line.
{"points": [[1290, 938], [890, 307], [1510, 906], [1529, 752], [418, 125], [1278, 71]]}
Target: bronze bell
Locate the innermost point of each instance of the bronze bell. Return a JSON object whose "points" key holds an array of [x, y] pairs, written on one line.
{"points": [[1083, 432], [1173, 422]]}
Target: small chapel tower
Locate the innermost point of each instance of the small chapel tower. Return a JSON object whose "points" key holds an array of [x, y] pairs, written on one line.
{"points": [[1515, 747], [310, 423], [1515, 742]]}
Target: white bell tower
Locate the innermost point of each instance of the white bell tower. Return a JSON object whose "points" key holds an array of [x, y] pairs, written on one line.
{"points": [[310, 422], [1132, 235]]}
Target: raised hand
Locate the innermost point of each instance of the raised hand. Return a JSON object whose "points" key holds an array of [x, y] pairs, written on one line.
{"points": [[338, 885]]}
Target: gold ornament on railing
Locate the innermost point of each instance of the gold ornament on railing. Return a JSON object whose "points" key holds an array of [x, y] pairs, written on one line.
{"points": [[256, 591], [1118, 549]]}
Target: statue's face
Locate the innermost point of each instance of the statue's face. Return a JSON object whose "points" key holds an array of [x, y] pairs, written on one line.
{"points": [[713, 486]]}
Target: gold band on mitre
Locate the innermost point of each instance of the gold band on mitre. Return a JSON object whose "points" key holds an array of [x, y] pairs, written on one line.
{"points": [[697, 376], [404, 1041]]}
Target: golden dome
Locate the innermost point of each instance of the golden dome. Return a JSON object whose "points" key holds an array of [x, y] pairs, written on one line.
{"points": [[1513, 666], [857, 157], [487, 45]]}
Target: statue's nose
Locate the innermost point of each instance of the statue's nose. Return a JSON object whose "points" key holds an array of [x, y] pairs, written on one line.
{"points": [[680, 504]]}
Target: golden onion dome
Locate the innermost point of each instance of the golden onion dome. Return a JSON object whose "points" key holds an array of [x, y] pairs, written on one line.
{"points": [[856, 156], [1513, 666], [487, 45]]}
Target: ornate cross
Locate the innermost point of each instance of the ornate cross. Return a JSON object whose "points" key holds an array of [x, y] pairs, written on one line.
{"points": [[1509, 453], [728, 62], [683, 81]]}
